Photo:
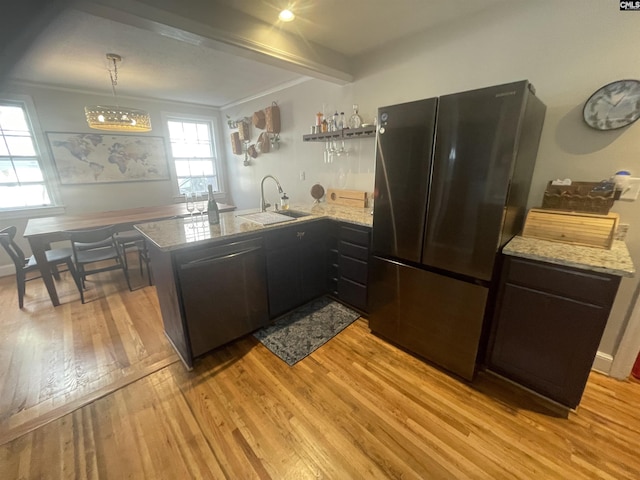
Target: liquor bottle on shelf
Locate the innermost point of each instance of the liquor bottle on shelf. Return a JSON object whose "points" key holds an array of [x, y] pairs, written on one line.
{"points": [[213, 213], [355, 121], [342, 123]]}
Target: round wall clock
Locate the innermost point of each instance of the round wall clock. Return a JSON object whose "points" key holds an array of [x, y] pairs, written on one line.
{"points": [[615, 105]]}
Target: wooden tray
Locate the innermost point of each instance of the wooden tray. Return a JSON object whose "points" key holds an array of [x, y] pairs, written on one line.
{"points": [[568, 227], [349, 198]]}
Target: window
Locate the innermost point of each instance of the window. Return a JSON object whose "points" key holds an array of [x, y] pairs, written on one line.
{"points": [[193, 150], [22, 183]]}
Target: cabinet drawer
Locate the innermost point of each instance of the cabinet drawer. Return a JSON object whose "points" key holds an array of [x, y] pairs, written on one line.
{"points": [[352, 250], [352, 293], [353, 269], [355, 235], [590, 287]]}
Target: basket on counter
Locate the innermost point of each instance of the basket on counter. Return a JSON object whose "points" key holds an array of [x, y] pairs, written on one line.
{"points": [[587, 197]]}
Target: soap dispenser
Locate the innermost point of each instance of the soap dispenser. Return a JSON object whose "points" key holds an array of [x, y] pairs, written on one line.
{"points": [[284, 202]]}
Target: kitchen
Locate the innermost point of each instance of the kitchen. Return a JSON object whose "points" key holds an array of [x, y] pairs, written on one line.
{"points": [[547, 45]]}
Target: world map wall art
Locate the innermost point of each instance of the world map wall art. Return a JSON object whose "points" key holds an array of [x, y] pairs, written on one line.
{"points": [[99, 158]]}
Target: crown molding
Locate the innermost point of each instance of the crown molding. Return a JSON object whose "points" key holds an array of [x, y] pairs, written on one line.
{"points": [[270, 91], [17, 83]]}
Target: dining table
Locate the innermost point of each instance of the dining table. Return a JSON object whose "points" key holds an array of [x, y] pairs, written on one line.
{"points": [[41, 232]]}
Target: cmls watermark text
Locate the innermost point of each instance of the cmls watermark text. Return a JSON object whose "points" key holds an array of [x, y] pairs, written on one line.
{"points": [[629, 5]]}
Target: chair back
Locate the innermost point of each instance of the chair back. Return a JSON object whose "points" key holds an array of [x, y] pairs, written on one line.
{"points": [[15, 252], [93, 235], [91, 239]]}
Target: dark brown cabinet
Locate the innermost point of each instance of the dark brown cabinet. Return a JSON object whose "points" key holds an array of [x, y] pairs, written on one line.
{"points": [[213, 293], [547, 326], [348, 266], [296, 265]]}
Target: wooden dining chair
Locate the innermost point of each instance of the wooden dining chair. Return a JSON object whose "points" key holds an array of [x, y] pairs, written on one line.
{"points": [[25, 265], [134, 240], [96, 247]]}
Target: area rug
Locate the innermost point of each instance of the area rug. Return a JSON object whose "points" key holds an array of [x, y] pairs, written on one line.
{"points": [[301, 332]]}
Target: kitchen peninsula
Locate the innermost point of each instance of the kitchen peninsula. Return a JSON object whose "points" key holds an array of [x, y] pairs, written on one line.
{"points": [[216, 283]]}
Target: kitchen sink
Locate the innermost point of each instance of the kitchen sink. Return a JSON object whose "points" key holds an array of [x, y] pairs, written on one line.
{"points": [[293, 213]]}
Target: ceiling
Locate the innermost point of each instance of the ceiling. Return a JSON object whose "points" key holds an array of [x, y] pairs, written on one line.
{"points": [[214, 67]]}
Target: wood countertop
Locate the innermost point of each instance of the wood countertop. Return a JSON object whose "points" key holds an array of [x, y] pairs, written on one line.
{"points": [[63, 223]]}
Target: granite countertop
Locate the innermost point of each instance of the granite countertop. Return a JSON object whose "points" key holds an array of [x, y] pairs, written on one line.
{"points": [[616, 261], [178, 233]]}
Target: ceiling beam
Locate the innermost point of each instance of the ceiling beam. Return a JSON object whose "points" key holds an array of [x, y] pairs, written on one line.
{"points": [[205, 23]]}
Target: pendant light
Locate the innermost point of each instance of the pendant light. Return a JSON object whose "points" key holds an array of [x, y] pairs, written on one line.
{"points": [[117, 118]]}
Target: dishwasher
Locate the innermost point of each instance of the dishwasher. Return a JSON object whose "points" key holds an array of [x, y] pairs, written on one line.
{"points": [[223, 292]]}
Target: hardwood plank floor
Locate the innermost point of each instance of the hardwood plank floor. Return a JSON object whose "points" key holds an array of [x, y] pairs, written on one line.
{"points": [[356, 408], [55, 359]]}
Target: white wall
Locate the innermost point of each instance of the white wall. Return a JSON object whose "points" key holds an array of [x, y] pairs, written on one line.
{"points": [[63, 111], [566, 49], [298, 107]]}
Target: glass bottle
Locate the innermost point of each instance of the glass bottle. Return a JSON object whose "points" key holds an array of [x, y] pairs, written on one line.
{"points": [[343, 122], [213, 213], [336, 120], [355, 121]]}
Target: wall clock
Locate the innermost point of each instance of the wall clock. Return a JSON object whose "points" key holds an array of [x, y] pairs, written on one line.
{"points": [[615, 105]]}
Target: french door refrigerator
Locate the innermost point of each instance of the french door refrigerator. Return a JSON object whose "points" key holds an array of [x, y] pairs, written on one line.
{"points": [[451, 185]]}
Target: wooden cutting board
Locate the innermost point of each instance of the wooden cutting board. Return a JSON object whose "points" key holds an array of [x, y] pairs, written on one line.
{"points": [[349, 198], [569, 227]]}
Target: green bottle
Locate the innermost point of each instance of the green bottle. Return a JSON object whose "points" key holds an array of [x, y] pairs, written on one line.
{"points": [[212, 208]]}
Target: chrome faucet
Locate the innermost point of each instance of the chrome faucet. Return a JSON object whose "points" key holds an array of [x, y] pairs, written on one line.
{"points": [[264, 204]]}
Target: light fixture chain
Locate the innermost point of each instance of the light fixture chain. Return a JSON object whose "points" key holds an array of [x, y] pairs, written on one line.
{"points": [[114, 78], [113, 117]]}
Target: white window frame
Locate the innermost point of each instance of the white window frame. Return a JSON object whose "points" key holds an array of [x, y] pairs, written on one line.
{"points": [[45, 160], [215, 138]]}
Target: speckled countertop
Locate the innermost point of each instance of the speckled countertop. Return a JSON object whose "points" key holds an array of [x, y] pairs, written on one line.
{"points": [[179, 233], [616, 261]]}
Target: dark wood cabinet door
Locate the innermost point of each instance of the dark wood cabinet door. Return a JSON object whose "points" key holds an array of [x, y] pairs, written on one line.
{"points": [[283, 280], [547, 342], [313, 267], [547, 327], [296, 265]]}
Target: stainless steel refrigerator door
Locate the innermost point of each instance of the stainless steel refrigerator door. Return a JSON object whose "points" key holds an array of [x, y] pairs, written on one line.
{"points": [[436, 317], [403, 163], [476, 141]]}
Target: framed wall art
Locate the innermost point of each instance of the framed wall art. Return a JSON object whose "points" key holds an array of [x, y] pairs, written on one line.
{"points": [[83, 158]]}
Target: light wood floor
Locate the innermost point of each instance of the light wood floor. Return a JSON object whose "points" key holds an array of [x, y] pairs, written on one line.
{"points": [[357, 408], [55, 359]]}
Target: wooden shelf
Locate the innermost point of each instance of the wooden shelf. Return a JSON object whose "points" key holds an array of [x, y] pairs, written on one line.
{"points": [[346, 134]]}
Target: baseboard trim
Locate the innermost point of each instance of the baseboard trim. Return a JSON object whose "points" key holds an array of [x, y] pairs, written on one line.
{"points": [[7, 270], [602, 363]]}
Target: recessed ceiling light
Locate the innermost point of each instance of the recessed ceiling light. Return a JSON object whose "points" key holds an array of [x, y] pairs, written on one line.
{"points": [[286, 15]]}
